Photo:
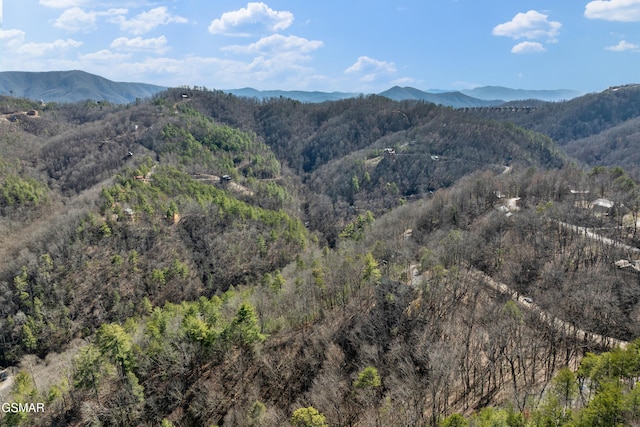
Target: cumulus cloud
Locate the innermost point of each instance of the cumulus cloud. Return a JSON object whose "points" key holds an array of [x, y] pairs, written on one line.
{"points": [[11, 34], [40, 49], [104, 56], [147, 21], [138, 44], [528, 47], [624, 46], [76, 19], [172, 71], [277, 67], [12, 39], [277, 43], [113, 12], [529, 25], [613, 10], [370, 68], [366, 64], [256, 17], [277, 58]]}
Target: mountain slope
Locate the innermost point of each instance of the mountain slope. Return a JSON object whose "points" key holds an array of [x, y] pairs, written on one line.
{"points": [[508, 94], [595, 127], [449, 99], [580, 117], [72, 86], [140, 287], [338, 149]]}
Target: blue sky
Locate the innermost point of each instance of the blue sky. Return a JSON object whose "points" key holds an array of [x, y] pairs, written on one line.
{"points": [[349, 45]]}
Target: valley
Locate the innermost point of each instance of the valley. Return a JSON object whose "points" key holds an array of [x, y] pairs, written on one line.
{"points": [[219, 260]]}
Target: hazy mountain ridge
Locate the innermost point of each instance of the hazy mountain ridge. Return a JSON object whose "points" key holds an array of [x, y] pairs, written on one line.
{"points": [[508, 94], [478, 97], [72, 86], [298, 95], [449, 99]]}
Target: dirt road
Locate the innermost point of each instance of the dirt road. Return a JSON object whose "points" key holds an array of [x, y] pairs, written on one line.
{"points": [[559, 325], [591, 235]]}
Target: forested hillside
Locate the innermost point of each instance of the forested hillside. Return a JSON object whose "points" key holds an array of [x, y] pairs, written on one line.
{"points": [[340, 149], [598, 129], [204, 259]]}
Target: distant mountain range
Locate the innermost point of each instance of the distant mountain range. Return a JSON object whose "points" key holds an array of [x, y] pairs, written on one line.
{"points": [[74, 86], [71, 86], [449, 99], [507, 94], [298, 95], [478, 97]]}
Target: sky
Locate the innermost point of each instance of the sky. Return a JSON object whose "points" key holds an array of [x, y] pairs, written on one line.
{"points": [[363, 46]]}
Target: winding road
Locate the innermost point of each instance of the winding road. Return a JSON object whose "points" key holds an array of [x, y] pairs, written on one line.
{"points": [[591, 235], [558, 324]]}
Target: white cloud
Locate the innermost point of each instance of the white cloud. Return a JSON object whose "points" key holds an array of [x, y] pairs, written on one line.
{"points": [[138, 44], [147, 21], [189, 70], [277, 43], [269, 70], [528, 47], [63, 4], [276, 68], [157, 66], [255, 17], [370, 68], [624, 46], [66, 4], [529, 25], [76, 19], [12, 39], [114, 13], [277, 58], [261, 73], [11, 34], [104, 56], [613, 10], [40, 49]]}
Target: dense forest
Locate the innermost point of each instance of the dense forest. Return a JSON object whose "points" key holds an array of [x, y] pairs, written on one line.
{"points": [[204, 259]]}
